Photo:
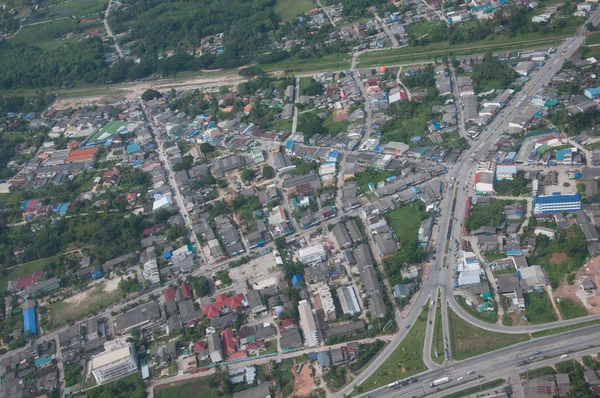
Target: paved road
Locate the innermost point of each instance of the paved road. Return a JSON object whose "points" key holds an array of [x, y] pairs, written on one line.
{"points": [[109, 30], [387, 31], [460, 109], [462, 170], [500, 363]]}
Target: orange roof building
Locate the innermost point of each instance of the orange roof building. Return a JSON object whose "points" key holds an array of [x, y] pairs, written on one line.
{"points": [[82, 155]]}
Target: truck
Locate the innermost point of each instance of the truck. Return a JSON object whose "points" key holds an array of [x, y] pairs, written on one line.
{"points": [[438, 382]]}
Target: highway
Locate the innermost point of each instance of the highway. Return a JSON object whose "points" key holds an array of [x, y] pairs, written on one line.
{"points": [[462, 171], [500, 363]]}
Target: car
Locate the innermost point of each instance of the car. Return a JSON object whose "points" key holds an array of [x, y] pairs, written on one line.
{"points": [[536, 352], [460, 378], [408, 326], [430, 322]]}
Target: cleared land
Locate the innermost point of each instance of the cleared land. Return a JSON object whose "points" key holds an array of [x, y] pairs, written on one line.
{"points": [[468, 341], [83, 304], [405, 361], [72, 8], [290, 9], [187, 389]]}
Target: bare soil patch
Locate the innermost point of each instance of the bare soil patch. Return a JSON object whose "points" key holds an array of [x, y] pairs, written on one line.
{"points": [[558, 258], [304, 382], [591, 301]]}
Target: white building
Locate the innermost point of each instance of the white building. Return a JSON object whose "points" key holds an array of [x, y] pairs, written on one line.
{"points": [[117, 361], [326, 300], [541, 18], [525, 67], [505, 172], [312, 255], [468, 262], [544, 231], [348, 300], [308, 324]]}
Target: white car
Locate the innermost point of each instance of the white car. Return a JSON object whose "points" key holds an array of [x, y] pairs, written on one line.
{"points": [[460, 378]]}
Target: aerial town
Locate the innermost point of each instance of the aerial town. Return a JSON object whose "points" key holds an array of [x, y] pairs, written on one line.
{"points": [[384, 227]]}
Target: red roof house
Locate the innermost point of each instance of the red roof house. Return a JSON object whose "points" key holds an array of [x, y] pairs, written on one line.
{"points": [[224, 304], [82, 155], [29, 279], [199, 345], [238, 355], [228, 341], [186, 290], [286, 324], [169, 294]]}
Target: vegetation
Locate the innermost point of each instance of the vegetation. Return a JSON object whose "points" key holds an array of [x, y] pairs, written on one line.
{"points": [[95, 300], [570, 242], [150, 94], [516, 187], [577, 378], [128, 387], [569, 309], [561, 329], [539, 308], [486, 316], [438, 334], [405, 361], [468, 341], [370, 175], [368, 351], [590, 362], [543, 371], [492, 74], [201, 286], [405, 222], [268, 172], [573, 125], [73, 375], [491, 214], [336, 377]]}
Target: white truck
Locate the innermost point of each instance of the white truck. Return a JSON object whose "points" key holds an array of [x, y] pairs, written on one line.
{"points": [[439, 382]]}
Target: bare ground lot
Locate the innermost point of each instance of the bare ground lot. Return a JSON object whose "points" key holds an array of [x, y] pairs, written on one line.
{"points": [[304, 383], [591, 271]]}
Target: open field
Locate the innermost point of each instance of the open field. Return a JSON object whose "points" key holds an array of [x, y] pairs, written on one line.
{"points": [[71, 8], [543, 371], [290, 9], [83, 304], [406, 360], [593, 38], [475, 389], [23, 269], [539, 308], [570, 309], [405, 222], [591, 301], [468, 341], [329, 62]]}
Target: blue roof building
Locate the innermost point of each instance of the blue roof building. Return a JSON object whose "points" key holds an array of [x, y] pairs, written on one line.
{"points": [[132, 147], [592, 92], [40, 362], [557, 203], [29, 321], [296, 279]]}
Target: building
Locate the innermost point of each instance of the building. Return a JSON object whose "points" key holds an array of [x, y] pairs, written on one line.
{"points": [[505, 172], [84, 155], [117, 361], [348, 300], [525, 67], [29, 317], [260, 391], [532, 278], [138, 317], [214, 347], [342, 237], [557, 203], [312, 255], [308, 324]]}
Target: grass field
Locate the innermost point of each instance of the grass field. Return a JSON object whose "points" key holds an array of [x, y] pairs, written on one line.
{"points": [[290, 9], [329, 62], [304, 83], [561, 329], [539, 308], [543, 371], [569, 309], [468, 341], [45, 33], [191, 389], [593, 38], [72, 8], [492, 256], [438, 334], [62, 312], [405, 361], [282, 125], [23, 269], [475, 389], [335, 127], [405, 222]]}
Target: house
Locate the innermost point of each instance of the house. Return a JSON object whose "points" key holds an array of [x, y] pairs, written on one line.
{"points": [[532, 278], [525, 67], [588, 286], [214, 347], [342, 237], [255, 302], [290, 340], [308, 324], [224, 304], [402, 291], [347, 329]]}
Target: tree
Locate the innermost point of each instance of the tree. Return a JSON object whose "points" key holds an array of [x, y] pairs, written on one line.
{"points": [[186, 163], [247, 175], [268, 172], [151, 94], [205, 148], [251, 71], [201, 286], [314, 88]]}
